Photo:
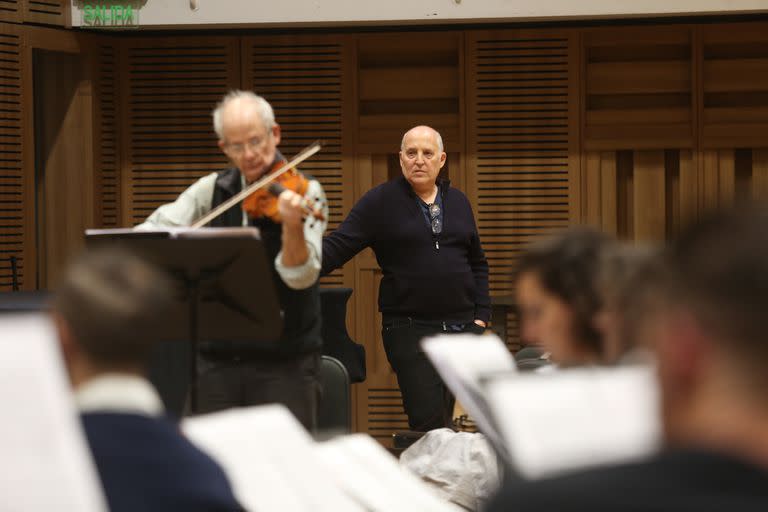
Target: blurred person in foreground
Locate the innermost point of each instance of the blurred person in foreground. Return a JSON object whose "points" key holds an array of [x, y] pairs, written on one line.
{"points": [[558, 296], [620, 276], [701, 310], [105, 310]]}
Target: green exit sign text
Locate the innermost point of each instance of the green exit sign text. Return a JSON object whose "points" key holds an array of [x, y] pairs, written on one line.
{"points": [[109, 14]]}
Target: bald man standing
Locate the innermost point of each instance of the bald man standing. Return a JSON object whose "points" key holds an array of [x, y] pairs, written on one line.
{"points": [[435, 275]]}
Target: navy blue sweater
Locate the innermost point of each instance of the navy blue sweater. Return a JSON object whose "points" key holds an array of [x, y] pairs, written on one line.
{"points": [[146, 464], [443, 281]]}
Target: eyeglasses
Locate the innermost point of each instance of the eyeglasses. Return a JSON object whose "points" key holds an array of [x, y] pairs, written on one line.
{"points": [[434, 215], [254, 144]]}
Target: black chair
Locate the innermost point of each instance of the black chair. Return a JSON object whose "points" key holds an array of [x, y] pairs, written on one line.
{"points": [[334, 411], [531, 358], [25, 302], [336, 340]]}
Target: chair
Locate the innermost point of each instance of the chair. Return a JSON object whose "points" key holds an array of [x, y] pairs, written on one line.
{"points": [[334, 410], [531, 359]]}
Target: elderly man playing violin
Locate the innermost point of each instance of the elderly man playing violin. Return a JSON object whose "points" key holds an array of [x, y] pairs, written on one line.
{"points": [[232, 374]]}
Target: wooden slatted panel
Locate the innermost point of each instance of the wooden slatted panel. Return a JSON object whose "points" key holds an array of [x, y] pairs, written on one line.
{"points": [[519, 140], [12, 193], [49, 12], [10, 10], [644, 195], [650, 196], [638, 88], [717, 182], [106, 124], [302, 79], [171, 88], [388, 101], [760, 174], [600, 189], [734, 101], [385, 414]]}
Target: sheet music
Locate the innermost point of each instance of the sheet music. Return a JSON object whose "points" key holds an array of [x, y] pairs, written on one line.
{"points": [[180, 232], [574, 418], [462, 360], [46, 462], [373, 477], [271, 460]]}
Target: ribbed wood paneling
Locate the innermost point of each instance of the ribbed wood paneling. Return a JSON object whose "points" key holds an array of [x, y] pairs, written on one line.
{"points": [[171, 88], [638, 88], [520, 132], [10, 10], [734, 101], [385, 414], [644, 195], [106, 135], [12, 184], [50, 12], [303, 79]]}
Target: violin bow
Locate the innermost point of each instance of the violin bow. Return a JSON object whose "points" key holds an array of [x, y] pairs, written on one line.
{"points": [[253, 187]]}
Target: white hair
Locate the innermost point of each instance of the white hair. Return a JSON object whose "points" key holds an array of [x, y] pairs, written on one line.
{"points": [[437, 136], [262, 106]]}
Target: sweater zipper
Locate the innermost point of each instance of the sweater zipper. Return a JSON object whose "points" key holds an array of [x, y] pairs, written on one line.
{"points": [[442, 207]]}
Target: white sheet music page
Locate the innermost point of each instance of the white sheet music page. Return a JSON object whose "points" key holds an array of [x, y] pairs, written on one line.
{"points": [[46, 462], [372, 476], [270, 459], [575, 418], [462, 360]]}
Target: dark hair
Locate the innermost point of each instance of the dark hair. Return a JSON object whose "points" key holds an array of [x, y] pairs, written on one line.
{"points": [[112, 302], [623, 268], [718, 271], [567, 266]]}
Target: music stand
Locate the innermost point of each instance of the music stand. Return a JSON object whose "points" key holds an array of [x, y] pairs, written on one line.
{"points": [[224, 291]]}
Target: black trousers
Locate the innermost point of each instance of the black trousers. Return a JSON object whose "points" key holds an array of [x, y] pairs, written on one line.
{"points": [[225, 382], [427, 401]]}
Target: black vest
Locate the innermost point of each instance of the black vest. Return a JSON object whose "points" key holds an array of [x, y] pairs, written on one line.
{"points": [[301, 308]]}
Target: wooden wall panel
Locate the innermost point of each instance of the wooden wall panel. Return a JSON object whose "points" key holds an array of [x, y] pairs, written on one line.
{"points": [[734, 99], [689, 187], [522, 143], [169, 91], [600, 191], [10, 10], [520, 137], [47, 12], [760, 174], [646, 195], [638, 88], [649, 211], [717, 179], [307, 81], [16, 193], [64, 179], [107, 130], [400, 88]]}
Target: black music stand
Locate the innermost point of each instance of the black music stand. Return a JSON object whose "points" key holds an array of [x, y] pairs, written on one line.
{"points": [[224, 292]]}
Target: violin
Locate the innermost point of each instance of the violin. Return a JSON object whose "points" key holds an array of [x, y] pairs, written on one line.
{"points": [[270, 178], [263, 202]]}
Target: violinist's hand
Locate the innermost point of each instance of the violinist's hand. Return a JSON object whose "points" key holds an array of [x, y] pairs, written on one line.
{"points": [[289, 203], [295, 250]]}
